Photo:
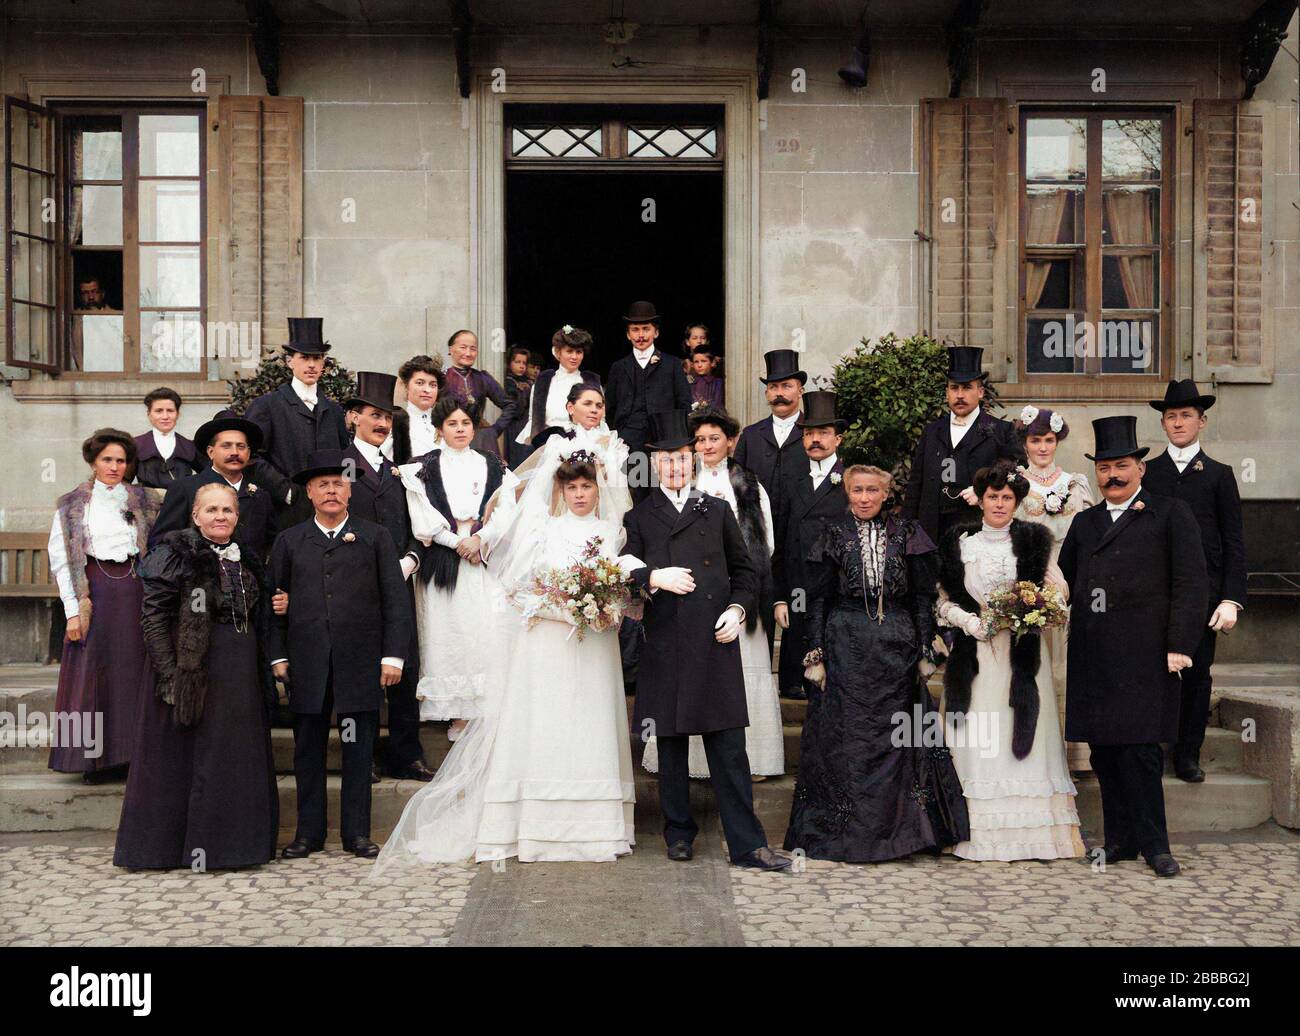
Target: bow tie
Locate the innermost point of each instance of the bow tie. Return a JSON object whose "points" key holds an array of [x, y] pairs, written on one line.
{"points": [[1116, 507], [230, 552], [959, 421]]}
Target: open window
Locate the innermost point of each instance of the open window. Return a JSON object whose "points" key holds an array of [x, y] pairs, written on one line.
{"points": [[30, 243]]}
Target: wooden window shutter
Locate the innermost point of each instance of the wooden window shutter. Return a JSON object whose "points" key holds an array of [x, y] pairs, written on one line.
{"points": [[966, 145], [1233, 241], [260, 218]]}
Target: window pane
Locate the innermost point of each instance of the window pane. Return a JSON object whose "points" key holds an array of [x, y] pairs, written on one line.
{"points": [[96, 215], [27, 139], [98, 341], [169, 210], [169, 275], [1053, 215], [1130, 215], [1129, 344], [1053, 283], [169, 145], [33, 334], [1050, 344], [171, 342], [30, 192], [33, 270], [97, 149], [1130, 149], [1129, 281], [1056, 149]]}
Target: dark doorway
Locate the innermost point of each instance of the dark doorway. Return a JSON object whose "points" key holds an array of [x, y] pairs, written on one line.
{"points": [[578, 252]]}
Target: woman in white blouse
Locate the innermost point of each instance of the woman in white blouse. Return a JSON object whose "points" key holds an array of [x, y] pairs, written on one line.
{"points": [[447, 494], [550, 396], [99, 533]]}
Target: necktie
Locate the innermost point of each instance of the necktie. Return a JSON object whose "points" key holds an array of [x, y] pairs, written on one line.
{"points": [[331, 533]]}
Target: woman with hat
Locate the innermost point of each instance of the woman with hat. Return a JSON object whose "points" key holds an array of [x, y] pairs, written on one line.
{"points": [[550, 395], [447, 496], [99, 534], [472, 388], [764, 443], [202, 791], [1054, 498]]}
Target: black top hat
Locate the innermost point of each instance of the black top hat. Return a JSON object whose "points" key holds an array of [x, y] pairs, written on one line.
{"points": [[320, 462], [641, 313], [782, 364], [307, 335], [1116, 437], [373, 389], [669, 430], [965, 363], [819, 411], [1182, 393], [228, 421]]}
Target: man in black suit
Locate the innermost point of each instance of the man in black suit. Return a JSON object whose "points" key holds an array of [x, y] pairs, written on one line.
{"points": [[953, 447], [644, 382], [698, 582], [808, 491], [228, 441], [297, 419], [765, 443], [378, 496], [1209, 488], [1137, 592], [342, 639]]}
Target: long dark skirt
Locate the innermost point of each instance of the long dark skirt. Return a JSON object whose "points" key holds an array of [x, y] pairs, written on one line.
{"points": [[104, 675], [859, 798], [210, 787]]}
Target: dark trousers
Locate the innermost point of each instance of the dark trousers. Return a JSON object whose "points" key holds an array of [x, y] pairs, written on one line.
{"points": [[404, 746], [1194, 713], [1132, 797], [311, 732], [638, 466], [729, 775]]}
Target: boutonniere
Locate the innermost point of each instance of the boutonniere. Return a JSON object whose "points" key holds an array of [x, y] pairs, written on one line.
{"points": [[1138, 505], [701, 504], [251, 489], [836, 478], [128, 516], [1198, 466], [396, 472], [654, 358], [349, 537], [1054, 503]]}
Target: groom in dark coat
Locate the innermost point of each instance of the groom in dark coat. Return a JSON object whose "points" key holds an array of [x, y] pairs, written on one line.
{"points": [[698, 583], [1137, 596]]}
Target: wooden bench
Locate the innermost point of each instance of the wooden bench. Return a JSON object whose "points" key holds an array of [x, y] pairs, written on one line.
{"points": [[25, 566]]}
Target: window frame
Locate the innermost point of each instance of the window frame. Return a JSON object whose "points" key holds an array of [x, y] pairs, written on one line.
{"points": [[42, 112], [1091, 304]]}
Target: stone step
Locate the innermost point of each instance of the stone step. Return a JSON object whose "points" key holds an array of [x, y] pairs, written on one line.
{"points": [[1224, 802], [1221, 753]]}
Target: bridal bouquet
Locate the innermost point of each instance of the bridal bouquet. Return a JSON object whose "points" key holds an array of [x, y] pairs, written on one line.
{"points": [[1024, 607], [590, 594]]}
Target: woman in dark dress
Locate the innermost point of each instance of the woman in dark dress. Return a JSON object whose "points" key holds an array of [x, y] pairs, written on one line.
{"points": [[202, 793], [875, 782], [100, 533]]}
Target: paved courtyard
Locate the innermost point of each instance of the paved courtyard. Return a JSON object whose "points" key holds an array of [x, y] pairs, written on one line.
{"points": [[1242, 890]]}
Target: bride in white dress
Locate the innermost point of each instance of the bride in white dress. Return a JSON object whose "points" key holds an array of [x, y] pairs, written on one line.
{"points": [[545, 772]]}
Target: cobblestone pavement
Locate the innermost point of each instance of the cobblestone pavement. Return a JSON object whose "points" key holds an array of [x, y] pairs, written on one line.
{"points": [[1239, 894], [1229, 894]]}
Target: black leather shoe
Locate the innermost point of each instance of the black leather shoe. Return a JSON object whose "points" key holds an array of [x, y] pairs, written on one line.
{"points": [[1189, 772], [300, 848], [764, 859], [1164, 865], [1117, 854], [416, 771], [362, 847], [795, 694], [680, 852]]}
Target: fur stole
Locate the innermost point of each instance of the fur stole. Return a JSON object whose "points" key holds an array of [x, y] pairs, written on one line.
{"points": [[442, 564], [749, 516], [1031, 544]]}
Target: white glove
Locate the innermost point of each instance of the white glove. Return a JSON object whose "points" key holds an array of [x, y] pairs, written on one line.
{"points": [[1224, 617], [674, 580], [816, 674], [727, 628], [974, 626], [408, 565]]}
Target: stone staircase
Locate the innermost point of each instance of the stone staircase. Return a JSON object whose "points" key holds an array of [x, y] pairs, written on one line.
{"points": [[1247, 781]]}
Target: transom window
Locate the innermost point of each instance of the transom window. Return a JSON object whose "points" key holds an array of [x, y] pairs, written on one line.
{"points": [[1095, 215], [666, 137]]}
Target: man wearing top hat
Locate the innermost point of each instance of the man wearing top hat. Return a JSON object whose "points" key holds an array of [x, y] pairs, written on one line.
{"points": [[1209, 488], [764, 443], [808, 492], [1137, 592], [297, 419], [341, 640], [378, 496], [228, 441], [645, 381], [698, 583], [952, 448]]}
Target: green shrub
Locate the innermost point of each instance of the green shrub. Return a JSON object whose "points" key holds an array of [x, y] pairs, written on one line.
{"points": [[336, 383]]}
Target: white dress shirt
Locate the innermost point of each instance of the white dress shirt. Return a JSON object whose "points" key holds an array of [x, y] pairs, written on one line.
{"points": [[424, 437], [677, 497], [109, 537], [819, 469], [1115, 510], [305, 392], [716, 481], [642, 356], [1182, 455], [373, 455], [959, 426], [783, 426], [165, 442]]}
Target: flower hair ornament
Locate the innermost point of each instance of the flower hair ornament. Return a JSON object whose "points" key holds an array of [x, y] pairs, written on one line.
{"points": [[1029, 414], [1056, 422], [579, 456], [567, 329]]}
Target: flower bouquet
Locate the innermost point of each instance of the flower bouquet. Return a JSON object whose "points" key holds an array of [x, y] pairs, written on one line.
{"points": [[1024, 607], [591, 594]]}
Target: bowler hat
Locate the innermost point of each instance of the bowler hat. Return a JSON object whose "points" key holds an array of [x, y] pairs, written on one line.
{"points": [[819, 411], [965, 363], [1182, 393], [1116, 437], [307, 335], [320, 462], [374, 388], [782, 364], [669, 430], [228, 421], [641, 313]]}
